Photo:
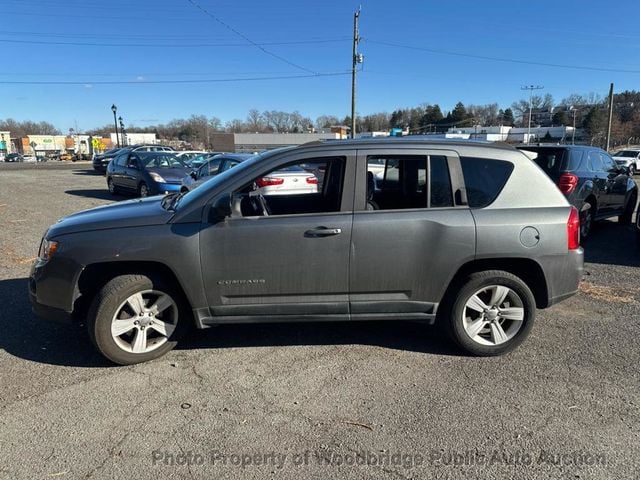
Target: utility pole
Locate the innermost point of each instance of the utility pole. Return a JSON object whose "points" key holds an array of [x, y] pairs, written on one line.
{"points": [[357, 58], [531, 88], [610, 116]]}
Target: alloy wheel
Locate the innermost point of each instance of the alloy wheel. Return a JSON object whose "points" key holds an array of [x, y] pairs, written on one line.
{"points": [[493, 315], [144, 321]]}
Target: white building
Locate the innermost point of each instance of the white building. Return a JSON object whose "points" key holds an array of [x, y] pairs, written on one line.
{"points": [[134, 138], [509, 134]]}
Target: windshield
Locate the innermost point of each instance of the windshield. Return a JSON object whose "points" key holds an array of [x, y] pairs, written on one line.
{"points": [[626, 153], [161, 160], [204, 191]]}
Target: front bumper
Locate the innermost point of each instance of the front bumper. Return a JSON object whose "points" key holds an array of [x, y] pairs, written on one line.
{"points": [[46, 312]]}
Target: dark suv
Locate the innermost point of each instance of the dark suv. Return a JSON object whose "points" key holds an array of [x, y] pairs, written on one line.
{"points": [[591, 180], [474, 235]]}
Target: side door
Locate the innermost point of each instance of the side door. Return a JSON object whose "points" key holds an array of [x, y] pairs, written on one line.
{"points": [[116, 169], [617, 183], [132, 171], [600, 180], [285, 257], [412, 229]]}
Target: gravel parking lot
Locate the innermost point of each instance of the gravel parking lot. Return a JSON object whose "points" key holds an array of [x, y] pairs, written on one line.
{"points": [[362, 400]]}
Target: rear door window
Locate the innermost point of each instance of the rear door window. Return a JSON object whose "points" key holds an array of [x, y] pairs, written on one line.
{"points": [[552, 160], [484, 179]]}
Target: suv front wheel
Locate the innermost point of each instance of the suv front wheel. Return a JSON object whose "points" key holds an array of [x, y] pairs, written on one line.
{"points": [[136, 318], [491, 314]]}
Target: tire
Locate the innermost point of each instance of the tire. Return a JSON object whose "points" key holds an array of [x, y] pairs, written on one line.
{"points": [[143, 190], [114, 303], [460, 319], [113, 190], [629, 208], [586, 221]]}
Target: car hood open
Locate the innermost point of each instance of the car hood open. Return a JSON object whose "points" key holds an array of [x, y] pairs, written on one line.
{"points": [[132, 213]]}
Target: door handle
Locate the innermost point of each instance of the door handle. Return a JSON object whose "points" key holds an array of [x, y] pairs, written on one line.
{"points": [[322, 232]]}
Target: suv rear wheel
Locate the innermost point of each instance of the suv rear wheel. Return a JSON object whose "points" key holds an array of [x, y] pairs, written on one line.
{"points": [[136, 318], [491, 314], [629, 208], [586, 220]]}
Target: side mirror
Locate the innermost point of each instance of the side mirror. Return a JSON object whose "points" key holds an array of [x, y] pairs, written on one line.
{"points": [[193, 174], [221, 209]]}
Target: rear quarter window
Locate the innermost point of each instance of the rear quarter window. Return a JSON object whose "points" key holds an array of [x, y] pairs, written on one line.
{"points": [[484, 179]]}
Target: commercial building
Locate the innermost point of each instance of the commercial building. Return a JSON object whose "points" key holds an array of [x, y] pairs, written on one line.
{"points": [[6, 146]]}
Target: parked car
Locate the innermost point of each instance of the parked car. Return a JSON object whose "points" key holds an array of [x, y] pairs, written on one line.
{"points": [[629, 158], [187, 155], [145, 173], [590, 179], [476, 243], [100, 162], [213, 166], [14, 157], [199, 160]]}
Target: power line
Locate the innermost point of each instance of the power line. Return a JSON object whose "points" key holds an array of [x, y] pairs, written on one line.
{"points": [[165, 45], [499, 59], [243, 36], [133, 36], [169, 82]]}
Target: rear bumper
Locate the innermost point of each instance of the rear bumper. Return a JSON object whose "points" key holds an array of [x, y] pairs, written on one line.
{"points": [[564, 276]]}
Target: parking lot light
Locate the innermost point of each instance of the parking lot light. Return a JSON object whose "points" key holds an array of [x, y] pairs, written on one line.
{"points": [[114, 109]]}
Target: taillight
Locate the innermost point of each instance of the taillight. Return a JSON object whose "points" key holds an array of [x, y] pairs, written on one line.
{"points": [[567, 183], [312, 180], [573, 229], [269, 181]]}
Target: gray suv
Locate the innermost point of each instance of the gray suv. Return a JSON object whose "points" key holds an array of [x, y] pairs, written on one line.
{"points": [[472, 235]]}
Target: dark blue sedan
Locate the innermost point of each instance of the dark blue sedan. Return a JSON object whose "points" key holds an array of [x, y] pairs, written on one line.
{"points": [[146, 173]]}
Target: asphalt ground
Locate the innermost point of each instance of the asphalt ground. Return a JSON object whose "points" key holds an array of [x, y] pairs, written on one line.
{"points": [[364, 400]]}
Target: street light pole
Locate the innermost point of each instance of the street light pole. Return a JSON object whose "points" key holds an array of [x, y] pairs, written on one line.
{"points": [[114, 109], [122, 133], [573, 133], [531, 88]]}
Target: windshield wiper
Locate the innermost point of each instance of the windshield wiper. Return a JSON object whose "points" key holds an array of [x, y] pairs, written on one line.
{"points": [[169, 199]]}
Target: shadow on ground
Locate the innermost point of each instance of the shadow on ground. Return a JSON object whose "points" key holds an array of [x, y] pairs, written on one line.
{"points": [[28, 337], [100, 194], [611, 243], [88, 172]]}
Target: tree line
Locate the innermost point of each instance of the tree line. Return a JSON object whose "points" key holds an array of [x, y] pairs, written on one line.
{"points": [[589, 112]]}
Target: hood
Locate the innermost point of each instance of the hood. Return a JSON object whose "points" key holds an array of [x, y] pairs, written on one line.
{"points": [[131, 213], [171, 175]]}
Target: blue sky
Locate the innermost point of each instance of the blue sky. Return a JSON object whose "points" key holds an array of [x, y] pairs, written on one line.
{"points": [[162, 41]]}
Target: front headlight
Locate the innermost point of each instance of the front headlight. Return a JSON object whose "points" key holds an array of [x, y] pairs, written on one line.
{"points": [[48, 248], [156, 177]]}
